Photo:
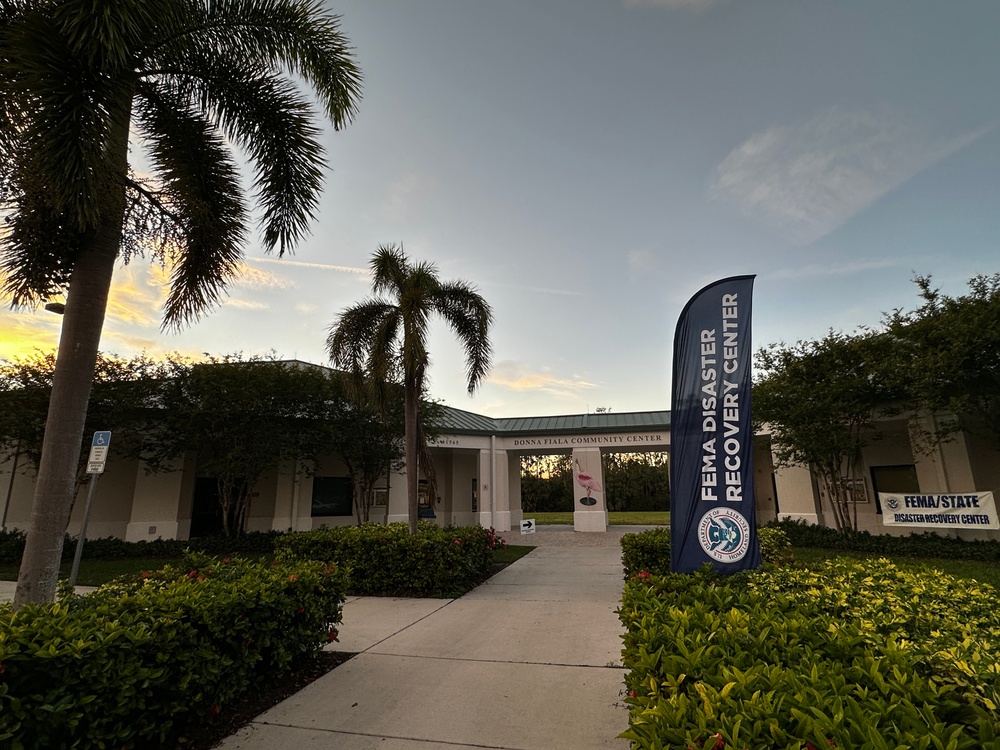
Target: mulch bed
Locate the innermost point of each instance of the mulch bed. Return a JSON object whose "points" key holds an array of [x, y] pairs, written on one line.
{"points": [[261, 698]]}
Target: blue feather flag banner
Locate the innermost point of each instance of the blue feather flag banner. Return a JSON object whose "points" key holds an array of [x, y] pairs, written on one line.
{"points": [[712, 509]]}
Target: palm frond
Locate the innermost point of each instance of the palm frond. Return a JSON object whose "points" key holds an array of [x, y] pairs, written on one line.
{"points": [[351, 337], [200, 180], [37, 247], [273, 124], [389, 269], [470, 317], [64, 111], [301, 36]]}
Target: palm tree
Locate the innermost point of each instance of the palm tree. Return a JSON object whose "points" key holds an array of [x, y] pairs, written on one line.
{"points": [[82, 88], [379, 338]]}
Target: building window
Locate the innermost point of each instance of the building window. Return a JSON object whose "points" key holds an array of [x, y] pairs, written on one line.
{"points": [[901, 480], [332, 496]]}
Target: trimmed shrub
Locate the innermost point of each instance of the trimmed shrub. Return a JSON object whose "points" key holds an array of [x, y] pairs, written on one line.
{"points": [[853, 654], [385, 560], [649, 551], [924, 544], [11, 545], [113, 548], [775, 547], [138, 661]]}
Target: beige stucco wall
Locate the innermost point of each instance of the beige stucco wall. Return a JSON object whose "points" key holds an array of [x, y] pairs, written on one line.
{"points": [[160, 501], [112, 503], [21, 493]]}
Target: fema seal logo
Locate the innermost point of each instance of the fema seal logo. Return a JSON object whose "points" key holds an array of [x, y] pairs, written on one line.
{"points": [[724, 534], [892, 502]]}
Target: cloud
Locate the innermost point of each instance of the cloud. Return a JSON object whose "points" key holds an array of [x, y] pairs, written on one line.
{"points": [[816, 270], [22, 334], [307, 308], [536, 289], [256, 278], [319, 266], [695, 5], [641, 262], [516, 377], [245, 304], [808, 178], [136, 296]]}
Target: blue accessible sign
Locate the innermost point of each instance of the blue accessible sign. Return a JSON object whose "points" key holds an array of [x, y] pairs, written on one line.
{"points": [[98, 452]]}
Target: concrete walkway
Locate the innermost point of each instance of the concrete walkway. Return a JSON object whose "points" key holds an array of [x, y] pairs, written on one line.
{"points": [[530, 660]]}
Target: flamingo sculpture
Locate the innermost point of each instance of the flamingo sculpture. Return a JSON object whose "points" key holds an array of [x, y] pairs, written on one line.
{"points": [[588, 483]]}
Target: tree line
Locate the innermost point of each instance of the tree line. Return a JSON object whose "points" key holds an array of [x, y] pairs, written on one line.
{"points": [[632, 482], [822, 401], [240, 416]]}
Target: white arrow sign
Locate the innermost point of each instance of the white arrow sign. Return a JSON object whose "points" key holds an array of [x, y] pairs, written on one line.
{"points": [[528, 526]]}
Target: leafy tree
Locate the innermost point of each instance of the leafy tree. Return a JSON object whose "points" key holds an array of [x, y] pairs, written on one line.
{"points": [[546, 483], [370, 443], [820, 401], [947, 350], [186, 78], [636, 481], [242, 417], [120, 401], [379, 338]]}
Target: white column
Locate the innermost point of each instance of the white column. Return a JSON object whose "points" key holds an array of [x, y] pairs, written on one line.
{"points": [[589, 510], [486, 497], [156, 502], [797, 498], [514, 491]]}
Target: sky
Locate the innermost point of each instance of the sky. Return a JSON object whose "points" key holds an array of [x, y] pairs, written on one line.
{"points": [[589, 165]]}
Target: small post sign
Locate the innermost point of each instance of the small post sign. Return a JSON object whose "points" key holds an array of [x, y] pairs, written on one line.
{"points": [[528, 526], [99, 452], [95, 465]]}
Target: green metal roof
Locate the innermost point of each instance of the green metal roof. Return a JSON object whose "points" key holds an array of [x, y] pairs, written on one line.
{"points": [[459, 422]]}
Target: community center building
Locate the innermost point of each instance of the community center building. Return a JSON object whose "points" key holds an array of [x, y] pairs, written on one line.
{"points": [[478, 473]]}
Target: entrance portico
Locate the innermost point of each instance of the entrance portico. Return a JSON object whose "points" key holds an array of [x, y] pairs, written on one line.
{"points": [[492, 497]]}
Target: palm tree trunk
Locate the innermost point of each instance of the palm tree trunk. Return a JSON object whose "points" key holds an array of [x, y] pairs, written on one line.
{"points": [[86, 302], [411, 396], [76, 359]]}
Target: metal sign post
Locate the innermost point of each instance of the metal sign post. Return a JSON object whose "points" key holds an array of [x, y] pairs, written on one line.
{"points": [[95, 465]]}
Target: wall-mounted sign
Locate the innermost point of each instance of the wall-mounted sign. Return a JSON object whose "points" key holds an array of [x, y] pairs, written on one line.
{"points": [[967, 510], [635, 440]]}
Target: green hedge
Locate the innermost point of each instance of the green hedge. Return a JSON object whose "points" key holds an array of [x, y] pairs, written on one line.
{"points": [[649, 551], [137, 662], [385, 560], [113, 548], [646, 552], [853, 654], [925, 544]]}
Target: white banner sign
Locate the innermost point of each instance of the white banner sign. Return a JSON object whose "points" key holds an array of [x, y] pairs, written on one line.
{"points": [[969, 510]]}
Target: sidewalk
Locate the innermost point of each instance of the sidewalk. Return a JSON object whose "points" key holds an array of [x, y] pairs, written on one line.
{"points": [[530, 660]]}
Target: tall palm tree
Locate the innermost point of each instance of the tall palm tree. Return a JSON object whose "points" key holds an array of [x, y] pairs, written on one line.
{"points": [[83, 86], [380, 337]]}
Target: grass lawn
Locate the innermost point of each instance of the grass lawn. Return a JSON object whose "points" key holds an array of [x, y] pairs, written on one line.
{"points": [[94, 572], [513, 553], [984, 572], [650, 518]]}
